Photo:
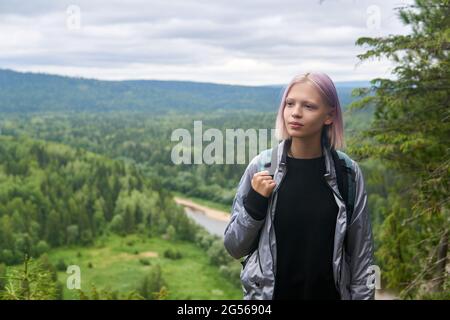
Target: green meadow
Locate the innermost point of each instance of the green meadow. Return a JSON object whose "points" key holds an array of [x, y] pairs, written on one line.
{"points": [[114, 264]]}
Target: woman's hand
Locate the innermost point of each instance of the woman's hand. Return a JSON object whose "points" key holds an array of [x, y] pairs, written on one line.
{"points": [[263, 183]]}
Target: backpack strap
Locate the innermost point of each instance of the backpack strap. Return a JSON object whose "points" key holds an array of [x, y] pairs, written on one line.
{"points": [[269, 159], [345, 174], [273, 160]]}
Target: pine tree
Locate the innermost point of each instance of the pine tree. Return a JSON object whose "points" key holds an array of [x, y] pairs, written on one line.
{"points": [[128, 221], [53, 229], [33, 282], [153, 285], [411, 134]]}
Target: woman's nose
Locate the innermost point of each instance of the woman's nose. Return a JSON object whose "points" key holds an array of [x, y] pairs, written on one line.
{"points": [[296, 112]]}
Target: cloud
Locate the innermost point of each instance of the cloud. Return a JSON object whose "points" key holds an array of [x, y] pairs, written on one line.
{"points": [[239, 42]]}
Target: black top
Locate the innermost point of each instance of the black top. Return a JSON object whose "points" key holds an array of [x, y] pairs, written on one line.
{"points": [[305, 222]]}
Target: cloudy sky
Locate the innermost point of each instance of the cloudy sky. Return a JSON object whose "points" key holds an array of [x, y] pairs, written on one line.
{"points": [[248, 42]]}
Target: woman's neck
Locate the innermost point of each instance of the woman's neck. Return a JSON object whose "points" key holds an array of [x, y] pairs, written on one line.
{"points": [[305, 149]]}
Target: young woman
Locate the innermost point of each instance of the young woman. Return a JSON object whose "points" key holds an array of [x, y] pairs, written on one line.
{"points": [[293, 226]]}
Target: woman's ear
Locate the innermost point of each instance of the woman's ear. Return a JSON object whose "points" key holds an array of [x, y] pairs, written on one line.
{"points": [[329, 118]]}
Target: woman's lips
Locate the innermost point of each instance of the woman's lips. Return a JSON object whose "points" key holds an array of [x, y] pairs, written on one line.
{"points": [[295, 125]]}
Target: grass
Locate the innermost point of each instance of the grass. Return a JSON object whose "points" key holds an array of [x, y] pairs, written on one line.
{"points": [[116, 267]]}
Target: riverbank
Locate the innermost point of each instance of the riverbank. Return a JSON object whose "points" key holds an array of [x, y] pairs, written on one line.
{"points": [[204, 202], [211, 213]]}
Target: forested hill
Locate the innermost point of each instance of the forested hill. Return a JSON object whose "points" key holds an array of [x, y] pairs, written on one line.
{"points": [[34, 92], [53, 195]]}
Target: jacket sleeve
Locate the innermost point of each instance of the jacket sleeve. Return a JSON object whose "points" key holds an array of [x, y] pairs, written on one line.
{"points": [[360, 244], [242, 232]]}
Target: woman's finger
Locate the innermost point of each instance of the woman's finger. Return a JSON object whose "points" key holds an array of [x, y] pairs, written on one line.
{"points": [[262, 173], [263, 178]]}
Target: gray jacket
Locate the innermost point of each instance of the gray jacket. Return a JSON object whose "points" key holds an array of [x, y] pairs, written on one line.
{"points": [[352, 258]]}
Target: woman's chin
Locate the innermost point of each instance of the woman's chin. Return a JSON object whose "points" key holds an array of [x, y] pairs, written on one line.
{"points": [[296, 134]]}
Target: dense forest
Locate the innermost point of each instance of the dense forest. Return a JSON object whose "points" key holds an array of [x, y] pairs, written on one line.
{"points": [[52, 196], [145, 140]]}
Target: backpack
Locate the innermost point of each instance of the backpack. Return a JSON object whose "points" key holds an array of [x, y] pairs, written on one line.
{"points": [[345, 175]]}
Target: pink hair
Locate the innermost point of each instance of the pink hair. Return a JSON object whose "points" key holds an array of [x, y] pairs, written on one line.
{"points": [[334, 131]]}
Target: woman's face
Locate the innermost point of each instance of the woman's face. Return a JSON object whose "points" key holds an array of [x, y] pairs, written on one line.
{"points": [[305, 111]]}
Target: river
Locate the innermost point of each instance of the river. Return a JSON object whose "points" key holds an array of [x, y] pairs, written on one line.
{"points": [[214, 221], [214, 226]]}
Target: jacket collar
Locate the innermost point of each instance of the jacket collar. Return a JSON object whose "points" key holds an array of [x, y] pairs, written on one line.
{"points": [[330, 172]]}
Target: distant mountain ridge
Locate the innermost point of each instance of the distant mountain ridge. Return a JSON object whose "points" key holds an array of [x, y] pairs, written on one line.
{"points": [[39, 92]]}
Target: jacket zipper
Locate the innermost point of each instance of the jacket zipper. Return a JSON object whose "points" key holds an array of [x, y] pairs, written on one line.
{"points": [[338, 280], [338, 195], [259, 261], [274, 197]]}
